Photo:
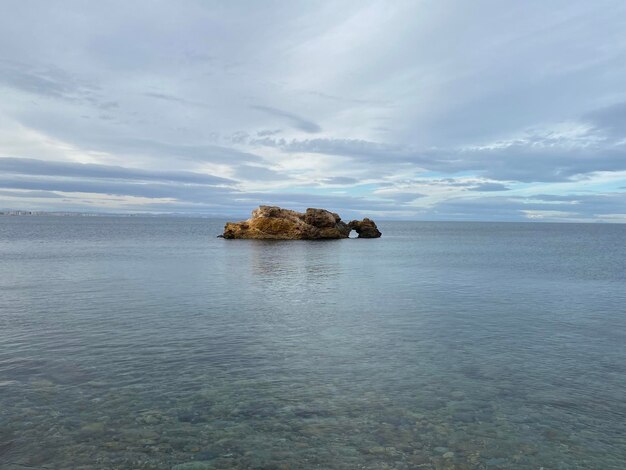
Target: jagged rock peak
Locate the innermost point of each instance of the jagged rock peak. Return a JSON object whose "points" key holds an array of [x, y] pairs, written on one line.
{"points": [[276, 223]]}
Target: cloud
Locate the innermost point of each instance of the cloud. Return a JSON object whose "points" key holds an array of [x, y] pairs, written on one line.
{"points": [[175, 107], [30, 194], [611, 119], [295, 120], [173, 99], [362, 150], [267, 132], [490, 187], [199, 193], [46, 81], [564, 208], [192, 152], [171, 197], [401, 196], [340, 180], [528, 159], [346, 206], [258, 173], [30, 166]]}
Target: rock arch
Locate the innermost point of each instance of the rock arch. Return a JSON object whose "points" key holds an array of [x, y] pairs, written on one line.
{"points": [[366, 228]]}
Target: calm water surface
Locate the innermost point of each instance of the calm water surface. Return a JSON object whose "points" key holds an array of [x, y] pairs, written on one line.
{"points": [[147, 343]]}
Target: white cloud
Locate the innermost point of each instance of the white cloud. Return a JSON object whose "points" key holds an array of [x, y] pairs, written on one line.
{"points": [[417, 109]]}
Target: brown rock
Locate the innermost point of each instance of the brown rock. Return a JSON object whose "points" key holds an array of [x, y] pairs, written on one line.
{"points": [[366, 228], [321, 218], [275, 223]]}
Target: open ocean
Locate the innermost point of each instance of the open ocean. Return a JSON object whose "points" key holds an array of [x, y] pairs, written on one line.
{"points": [[148, 343]]}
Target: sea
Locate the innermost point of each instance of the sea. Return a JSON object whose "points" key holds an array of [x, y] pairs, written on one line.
{"points": [[148, 343]]}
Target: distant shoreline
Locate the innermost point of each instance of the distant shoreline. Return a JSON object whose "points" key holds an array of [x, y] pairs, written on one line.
{"points": [[17, 213], [25, 213]]}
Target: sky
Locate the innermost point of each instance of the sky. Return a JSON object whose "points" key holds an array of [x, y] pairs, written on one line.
{"points": [[420, 110]]}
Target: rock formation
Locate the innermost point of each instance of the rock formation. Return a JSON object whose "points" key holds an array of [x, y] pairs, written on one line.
{"points": [[274, 223], [366, 228]]}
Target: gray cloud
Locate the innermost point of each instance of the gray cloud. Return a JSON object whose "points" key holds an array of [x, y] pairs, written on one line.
{"points": [[527, 161], [568, 207], [295, 120], [404, 197], [490, 187], [173, 99], [347, 99], [30, 166], [372, 152], [346, 206], [611, 119], [340, 180], [120, 188], [46, 81], [199, 153], [268, 132], [487, 103], [208, 199], [258, 173], [30, 194]]}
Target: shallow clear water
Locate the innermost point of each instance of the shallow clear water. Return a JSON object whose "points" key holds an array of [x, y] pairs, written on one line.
{"points": [[148, 343]]}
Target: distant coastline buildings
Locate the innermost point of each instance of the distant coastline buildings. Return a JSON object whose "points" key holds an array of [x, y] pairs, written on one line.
{"points": [[10, 212], [18, 213]]}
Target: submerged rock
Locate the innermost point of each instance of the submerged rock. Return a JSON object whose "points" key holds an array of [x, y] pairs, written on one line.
{"points": [[275, 223]]}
